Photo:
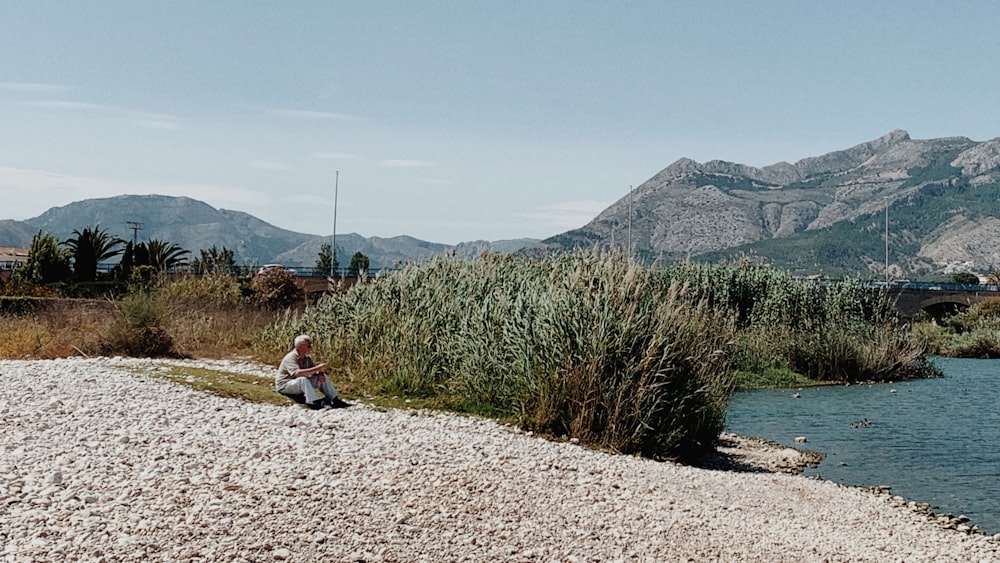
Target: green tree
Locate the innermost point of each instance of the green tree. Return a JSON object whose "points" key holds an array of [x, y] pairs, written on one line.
{"points": [[124, 267], [967, 278], [163, 255], [46, 263], [359, 264], [90, 247], [214, 260], [326, 264]]}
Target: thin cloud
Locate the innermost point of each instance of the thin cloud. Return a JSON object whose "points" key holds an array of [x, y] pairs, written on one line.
{"points": [[335, 156], [310, 114], [268, 165], [37, 87], [406, 163], [150, 120], [66, 105]]}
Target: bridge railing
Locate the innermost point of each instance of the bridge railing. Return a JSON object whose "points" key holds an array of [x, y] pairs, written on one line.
{"points": [[931, 286]]}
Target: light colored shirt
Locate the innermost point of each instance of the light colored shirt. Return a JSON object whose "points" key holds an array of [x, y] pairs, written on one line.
{"points": [[289, 367]]}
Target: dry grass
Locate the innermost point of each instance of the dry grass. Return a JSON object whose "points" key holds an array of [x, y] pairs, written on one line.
{"points": [[60, 329], [68, 327], [217, 332]]}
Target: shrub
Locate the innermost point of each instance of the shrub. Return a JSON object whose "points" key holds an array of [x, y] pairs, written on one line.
{"points": [[973, 333], [275, 288], [967, 278], [138, 331]]}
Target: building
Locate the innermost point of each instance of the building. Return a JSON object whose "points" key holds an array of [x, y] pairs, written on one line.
{"points": [[11, 257]]}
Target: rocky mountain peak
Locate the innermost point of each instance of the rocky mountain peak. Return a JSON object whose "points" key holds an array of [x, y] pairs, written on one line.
{"points": [[829, 208]]}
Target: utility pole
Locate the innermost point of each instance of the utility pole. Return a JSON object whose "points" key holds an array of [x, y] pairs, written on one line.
{"points": [[333, 263], [886, 239], [630, 220], [136, 227]]}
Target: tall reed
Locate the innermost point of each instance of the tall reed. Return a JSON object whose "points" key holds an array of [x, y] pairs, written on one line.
{"points": [[597, 346], [580, 345], [832, 331]]}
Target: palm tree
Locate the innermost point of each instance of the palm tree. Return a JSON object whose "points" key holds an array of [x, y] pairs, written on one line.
{"points": [[89, 248], [163, 255], [214, 260]]}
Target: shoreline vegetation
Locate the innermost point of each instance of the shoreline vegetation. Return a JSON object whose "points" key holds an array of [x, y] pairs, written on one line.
{"points": [[972, 333], [594, 347]]}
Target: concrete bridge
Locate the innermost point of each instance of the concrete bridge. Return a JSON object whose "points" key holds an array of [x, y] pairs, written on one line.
{"points": [[937, 300]]}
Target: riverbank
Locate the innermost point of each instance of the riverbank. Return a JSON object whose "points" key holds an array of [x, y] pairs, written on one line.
{"points": [[99, 461]]}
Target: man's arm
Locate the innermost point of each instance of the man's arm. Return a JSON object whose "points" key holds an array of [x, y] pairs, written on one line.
{"points": [[306, 372]]}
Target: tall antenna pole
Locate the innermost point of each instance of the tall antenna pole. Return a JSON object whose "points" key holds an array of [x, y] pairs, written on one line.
{"points": [[630, 220], [336, 188], [887, 239]]}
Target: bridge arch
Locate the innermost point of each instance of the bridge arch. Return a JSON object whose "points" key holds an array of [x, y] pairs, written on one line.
{"points": [[937, 300], [939, 308]]}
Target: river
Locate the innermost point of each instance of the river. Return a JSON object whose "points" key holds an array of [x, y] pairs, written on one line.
{"points": [[931, 440]]}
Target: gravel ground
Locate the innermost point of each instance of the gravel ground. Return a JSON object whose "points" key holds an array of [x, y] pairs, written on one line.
{"points": [[99, 463]]}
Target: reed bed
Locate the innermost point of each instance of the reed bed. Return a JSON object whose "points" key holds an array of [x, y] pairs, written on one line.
{"points": [[840, 331], [597, 347], [583, 346], [974, 333]]}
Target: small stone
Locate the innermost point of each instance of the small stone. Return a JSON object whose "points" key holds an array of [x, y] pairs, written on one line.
{"points": [[281, 554]]}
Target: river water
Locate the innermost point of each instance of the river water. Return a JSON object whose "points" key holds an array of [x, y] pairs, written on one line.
{"points": [[932, 440]]}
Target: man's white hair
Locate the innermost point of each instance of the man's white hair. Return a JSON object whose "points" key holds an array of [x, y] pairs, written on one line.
{"points": [[300, 339]]}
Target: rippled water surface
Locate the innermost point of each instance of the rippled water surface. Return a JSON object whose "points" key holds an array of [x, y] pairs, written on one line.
{"points": [[934, 440]]}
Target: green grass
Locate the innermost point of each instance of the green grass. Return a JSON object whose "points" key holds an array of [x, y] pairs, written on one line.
{"points": [[255, 389], [246, 387]]}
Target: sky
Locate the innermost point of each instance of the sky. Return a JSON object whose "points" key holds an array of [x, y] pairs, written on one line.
{"points": [[462, 120]]}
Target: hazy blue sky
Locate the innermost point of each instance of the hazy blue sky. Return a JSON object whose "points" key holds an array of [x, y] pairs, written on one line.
{"points": [[453, 121]]}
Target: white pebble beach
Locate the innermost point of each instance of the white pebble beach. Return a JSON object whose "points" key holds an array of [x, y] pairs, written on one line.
{"points": [[100, 461]]}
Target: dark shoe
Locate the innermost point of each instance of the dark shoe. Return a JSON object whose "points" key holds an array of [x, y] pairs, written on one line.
{"points": [[337, 403], [317, 405]]}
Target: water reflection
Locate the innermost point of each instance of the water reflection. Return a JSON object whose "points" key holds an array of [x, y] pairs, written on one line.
{"points": [[933, 440]]}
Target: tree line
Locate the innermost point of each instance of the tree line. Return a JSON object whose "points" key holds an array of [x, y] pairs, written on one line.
{"points": [[77, 259]]}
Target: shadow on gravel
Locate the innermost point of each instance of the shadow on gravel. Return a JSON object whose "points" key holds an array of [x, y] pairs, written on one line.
{"points": [[754, 455]]}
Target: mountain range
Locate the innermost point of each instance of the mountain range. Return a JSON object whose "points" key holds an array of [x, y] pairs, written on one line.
{"points": [[195, 225], [938, 201]]}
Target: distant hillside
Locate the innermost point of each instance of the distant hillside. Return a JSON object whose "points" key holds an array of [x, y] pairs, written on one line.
{"points": [[823, 214], [16, 233], [195, 225]]}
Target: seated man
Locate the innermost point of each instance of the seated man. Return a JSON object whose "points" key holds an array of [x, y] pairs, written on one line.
{"points": [[298, 375]]}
